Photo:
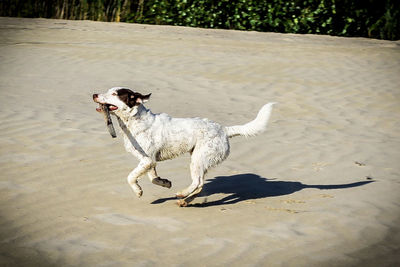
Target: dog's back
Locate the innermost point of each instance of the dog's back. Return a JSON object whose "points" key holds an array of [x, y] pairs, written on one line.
{"points": [[172, 137]]}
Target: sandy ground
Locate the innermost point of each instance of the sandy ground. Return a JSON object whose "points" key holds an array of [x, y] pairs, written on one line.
{"points": [[319, 188]]}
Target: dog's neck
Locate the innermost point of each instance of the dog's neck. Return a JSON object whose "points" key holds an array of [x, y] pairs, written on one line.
{"points": [[132, 114], [136, 119]]}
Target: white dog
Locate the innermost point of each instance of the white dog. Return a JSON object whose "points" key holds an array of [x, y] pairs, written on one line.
{"points": [[156, 137]]}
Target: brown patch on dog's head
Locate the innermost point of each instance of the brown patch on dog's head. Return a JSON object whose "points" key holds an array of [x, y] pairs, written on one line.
{"points": [[131, 98]]}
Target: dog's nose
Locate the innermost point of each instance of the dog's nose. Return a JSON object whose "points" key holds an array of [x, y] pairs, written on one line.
{"points": [[95, 96]]}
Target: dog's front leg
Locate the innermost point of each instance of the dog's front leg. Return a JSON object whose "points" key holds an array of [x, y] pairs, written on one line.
{"points": [[144, 165], [155, 179]]}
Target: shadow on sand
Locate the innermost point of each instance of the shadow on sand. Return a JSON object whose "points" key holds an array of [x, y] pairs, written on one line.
{"points": [[249, 186]]}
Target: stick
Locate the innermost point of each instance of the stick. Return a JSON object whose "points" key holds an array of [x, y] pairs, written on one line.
{"points": [[108, 120]]}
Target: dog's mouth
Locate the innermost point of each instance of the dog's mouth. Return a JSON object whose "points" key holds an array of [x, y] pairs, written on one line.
{"points": [[109, 106]]}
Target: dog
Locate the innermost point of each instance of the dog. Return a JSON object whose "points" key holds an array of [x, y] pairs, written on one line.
{"points": [[156, 137]]}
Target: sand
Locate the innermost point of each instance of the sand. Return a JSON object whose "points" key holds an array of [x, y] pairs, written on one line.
{"points": [[319, 188]]}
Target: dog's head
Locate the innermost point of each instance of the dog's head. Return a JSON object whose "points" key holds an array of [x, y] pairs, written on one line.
{"points": [[120, 100]]}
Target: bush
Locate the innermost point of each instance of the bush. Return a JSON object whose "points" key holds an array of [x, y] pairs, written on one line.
{"points": [[366, 18]]}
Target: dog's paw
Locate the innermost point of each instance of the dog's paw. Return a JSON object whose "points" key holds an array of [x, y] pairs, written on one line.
{"points": [[137, 189], [162, 182], [167, 183], [182, 203]]}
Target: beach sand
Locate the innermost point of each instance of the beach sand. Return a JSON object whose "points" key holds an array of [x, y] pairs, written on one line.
{"points": [[319, 188]]}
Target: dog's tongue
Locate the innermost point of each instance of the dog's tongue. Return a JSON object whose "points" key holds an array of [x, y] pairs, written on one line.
{"points": [[111, 107]]}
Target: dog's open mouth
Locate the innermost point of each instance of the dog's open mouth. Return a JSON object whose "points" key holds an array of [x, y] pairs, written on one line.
{"points": [[109, 106]]}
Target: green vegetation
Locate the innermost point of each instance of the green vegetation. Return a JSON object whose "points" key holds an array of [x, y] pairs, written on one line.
{"points": [[367, 18]]}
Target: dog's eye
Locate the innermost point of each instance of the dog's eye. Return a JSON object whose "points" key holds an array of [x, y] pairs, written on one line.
{"points": [[114, 93]]}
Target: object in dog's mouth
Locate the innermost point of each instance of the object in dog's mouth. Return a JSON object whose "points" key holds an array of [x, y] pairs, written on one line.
{"points": [[106, 112], [110, 107]]}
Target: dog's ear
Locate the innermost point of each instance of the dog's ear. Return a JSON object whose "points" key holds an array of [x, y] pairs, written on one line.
{"points": [[139, 98], [132, 98]]}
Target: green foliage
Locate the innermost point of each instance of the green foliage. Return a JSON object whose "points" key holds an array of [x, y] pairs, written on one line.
{"points": [[368, 18]]}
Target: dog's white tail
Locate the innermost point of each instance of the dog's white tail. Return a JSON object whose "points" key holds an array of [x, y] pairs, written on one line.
{"points": [[256, 126]]}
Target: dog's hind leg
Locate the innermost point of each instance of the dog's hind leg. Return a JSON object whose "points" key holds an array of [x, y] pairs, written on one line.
{"points": [[185, 201], [197, 171], [204, 157], [155, 179]]}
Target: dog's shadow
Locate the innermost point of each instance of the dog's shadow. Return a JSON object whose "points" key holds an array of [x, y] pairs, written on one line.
{"points": [[249, 186]]}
